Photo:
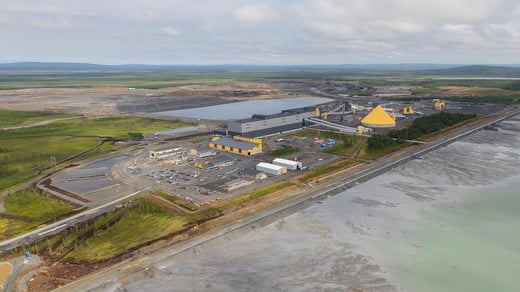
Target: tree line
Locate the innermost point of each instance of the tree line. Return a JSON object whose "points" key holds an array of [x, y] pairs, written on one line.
{"points": [[420, 127]]}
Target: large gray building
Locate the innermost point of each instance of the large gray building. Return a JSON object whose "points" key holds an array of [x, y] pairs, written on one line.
{"points": [[261, 125]]}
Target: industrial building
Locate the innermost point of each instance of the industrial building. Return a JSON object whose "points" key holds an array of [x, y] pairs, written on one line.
{"points": [[378, 118], [166, 152], [289, 164], [271, 168], [239, 145], [202, 151], [261, 125], [221, 162]]}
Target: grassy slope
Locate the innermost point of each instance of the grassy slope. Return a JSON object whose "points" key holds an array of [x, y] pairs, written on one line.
{"points": [[35, 209], [13, 118], [142, 224], [24, 152]]}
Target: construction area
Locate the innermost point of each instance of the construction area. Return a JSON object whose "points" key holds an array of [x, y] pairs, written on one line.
{"points": [[235, 160]]}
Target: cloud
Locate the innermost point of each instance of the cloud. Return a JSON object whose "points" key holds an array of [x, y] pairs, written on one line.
{"points": [[170, 31], [310, 31], [254, 14]]}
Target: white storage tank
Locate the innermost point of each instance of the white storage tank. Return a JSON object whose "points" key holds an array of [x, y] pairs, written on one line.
{"points": [[271, 168], [289, 164]]}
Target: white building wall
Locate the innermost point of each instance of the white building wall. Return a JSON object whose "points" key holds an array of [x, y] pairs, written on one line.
{"points": [[289, 164], [271, 168]]}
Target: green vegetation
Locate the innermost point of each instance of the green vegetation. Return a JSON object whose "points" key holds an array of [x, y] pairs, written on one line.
{"points": [[14, 118], [375, 154], [515, 85], [346, 145], [268, 190], [176, 200], [25, 152], [118, 232], [426, 125], [379, 141], [26, 210], [286, 150], [323, 170], [140, 225], [420, 127], [501, 99]]}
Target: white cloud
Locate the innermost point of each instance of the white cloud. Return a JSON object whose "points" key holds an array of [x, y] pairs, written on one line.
{"points": [[254, 14], [170, 31], [311, 31]]}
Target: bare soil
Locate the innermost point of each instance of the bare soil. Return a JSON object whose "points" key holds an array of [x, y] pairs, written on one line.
{"points": [[110, 101]]}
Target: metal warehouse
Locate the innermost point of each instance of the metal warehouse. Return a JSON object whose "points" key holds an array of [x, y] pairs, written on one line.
{"points": [[240, 145], [261, 125], [289, 164], [271, 168]]}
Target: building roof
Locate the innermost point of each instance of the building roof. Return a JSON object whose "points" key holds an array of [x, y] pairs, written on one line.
{"points": [[378, 118], [226, 141], [203, 148], [221, 159], [270, 166], [286, 161], [284, 113], [168, 148]]}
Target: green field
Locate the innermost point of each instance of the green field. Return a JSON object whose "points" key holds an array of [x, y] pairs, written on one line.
{"points": [[27, 210], [323, 170], [24, 153], [14, 118], [142, 224]]}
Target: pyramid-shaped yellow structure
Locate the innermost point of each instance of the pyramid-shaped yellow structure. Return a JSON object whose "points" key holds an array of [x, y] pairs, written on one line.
{"points": [[378, 118]]}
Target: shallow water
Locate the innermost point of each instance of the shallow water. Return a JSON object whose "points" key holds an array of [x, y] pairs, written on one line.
{"points": [[472, 246]]}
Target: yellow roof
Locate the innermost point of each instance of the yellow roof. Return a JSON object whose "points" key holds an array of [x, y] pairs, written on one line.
{"points": [[378, 118]]}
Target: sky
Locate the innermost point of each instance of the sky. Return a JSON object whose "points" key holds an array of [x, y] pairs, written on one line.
{"points": [[288, 32]]}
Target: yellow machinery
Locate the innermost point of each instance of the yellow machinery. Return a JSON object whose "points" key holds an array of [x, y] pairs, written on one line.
{"points": [[408, 110], [199, 164], [439, 105]]}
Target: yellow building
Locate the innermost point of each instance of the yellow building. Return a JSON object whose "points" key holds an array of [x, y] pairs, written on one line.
{"points": [[237, 144], [378, 118], [439, 105]]}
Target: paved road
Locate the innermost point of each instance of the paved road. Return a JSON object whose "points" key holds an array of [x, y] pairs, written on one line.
{"points": [[107, 277]]}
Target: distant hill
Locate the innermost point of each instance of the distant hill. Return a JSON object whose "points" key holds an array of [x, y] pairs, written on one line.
{"points": [[57, 66], [361, 69], [474, 71]]}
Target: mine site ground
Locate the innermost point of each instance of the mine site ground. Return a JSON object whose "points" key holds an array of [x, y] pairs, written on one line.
{"points": [[133, 169]]}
